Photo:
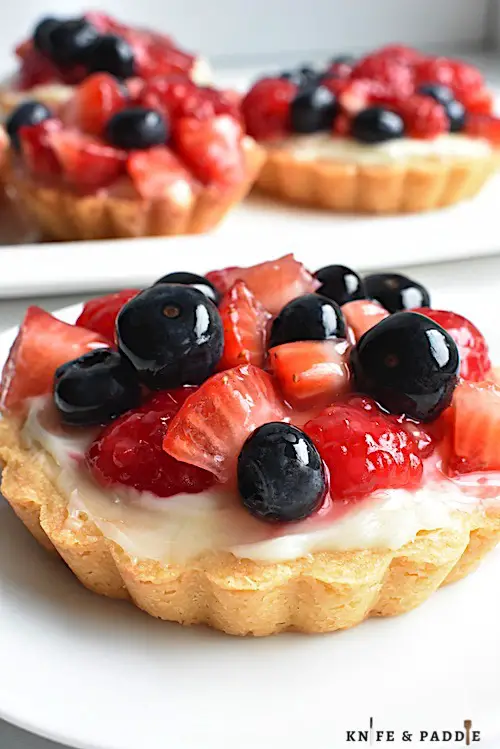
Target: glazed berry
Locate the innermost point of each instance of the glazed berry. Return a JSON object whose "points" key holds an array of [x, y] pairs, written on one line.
{"points": [[95, 388], [281, 477], [376, 125], [340, 284], [137, 128], [456, 114], [407, 363], [396, 292], [439, 92], [112, 54], [27, 114], [313, 109], [41, 35], [191, 279], [308, 318], [171, 334], [71, 42]]}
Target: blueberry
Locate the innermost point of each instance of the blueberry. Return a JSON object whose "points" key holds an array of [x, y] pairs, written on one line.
{"points": [[70, 42], [376, 125], [191, 279], [172, 335], [28, 113], [280, 474], [95, 388], [343, 60], [409, 364], [340, 284], [302, 77], [313, 109], [439, 92], [396, 292], [41, 35], [308, 318], [456, 115], [137, 128], [112, 54]]}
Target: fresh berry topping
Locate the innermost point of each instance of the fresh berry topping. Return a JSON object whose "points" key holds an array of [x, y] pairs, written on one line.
{"points": [[100, 314], [401, 52], [42, 345], [157, 173], [266, 108], [340, 284], [311, 374], [484, 126], [480, 101], [171, 334], [437, 91], [41, 35], [176, 96], [129, 451], [363, 314], [244, 321], [71, 42], [475, 363], [27, 114], [211, 148], [111, 54], [463, 79], [281, 477], [396, 292], [37, 70], [376, 125], [137, 128], [409, 364], [423, 117], [457, 115], [86, 162], [308, 318], [274, 283], [475, 428], [191, 279], [301, 77], [95, 388], [37, 150], [211, 427], [389, 70], [94, 102], [312, 109], [365, 450]]}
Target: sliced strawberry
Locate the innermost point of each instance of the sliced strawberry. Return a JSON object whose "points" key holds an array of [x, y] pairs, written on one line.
{"points": [[94, 102], [86, 162], [37, 150], [245, 328], [423, 116], [158, 173], [311, 374], [363, 314], [389, 70], [42, 344], [274, 283], [100, 314], [484, 126], [476, 428], [478, 101], [211, 148], [212, 425]]}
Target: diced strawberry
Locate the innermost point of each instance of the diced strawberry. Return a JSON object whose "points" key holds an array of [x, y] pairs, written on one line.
{"points": [[402, 53], [86, 162], [211, 148], [387, 70], [37, 70], [274, 283], [42, 344], [245, 328], [364, 449], [476, 428], [129, 451], [423, 116], [342, 125], [311, 374], [224, 101], [484, 126], [176, 96], [157, 172], [363, 314], [100, 314], [212, 425], [37, 149], [478, 101], [475, 361], [266, 108], [94, 102], [463, 79]]}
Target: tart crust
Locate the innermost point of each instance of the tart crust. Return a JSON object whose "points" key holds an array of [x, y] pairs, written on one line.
{"points": [[64, 215], [422, 184], [321, 592]]}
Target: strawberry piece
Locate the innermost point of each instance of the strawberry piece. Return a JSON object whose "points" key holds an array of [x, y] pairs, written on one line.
{"points": [[94, 102], [402, 53], [463, 79], [479, 101], [475, 363], [86, 162], [211, 148], [42, 344], [37, 70], [212, 425], [475, 428], [311, 374], [274, 283], [37, 150], [359, 93], [157, 172], [100, 314], [129, 451], [388, 70], [266, 108], [244, 320], [363, 314], [364, 449], [423, 116], [484, 126], [176, 96]]}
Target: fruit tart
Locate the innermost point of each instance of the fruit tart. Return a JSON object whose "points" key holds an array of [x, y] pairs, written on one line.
{"points": [[396, 131], [258, 449], [62, 53], [155, 157]]}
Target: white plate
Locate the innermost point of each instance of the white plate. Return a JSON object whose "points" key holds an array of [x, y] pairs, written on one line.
{"points": [[99, 674]]}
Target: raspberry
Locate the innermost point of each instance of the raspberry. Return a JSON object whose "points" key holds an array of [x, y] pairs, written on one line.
{"points": [[423, 117], [395, 74], [266, 108], [464, 80], [129, 451]]}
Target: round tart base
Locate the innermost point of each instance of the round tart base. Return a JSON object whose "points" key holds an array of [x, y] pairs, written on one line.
{"points": [[64, 215], [422, 184], [321, 592]]}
